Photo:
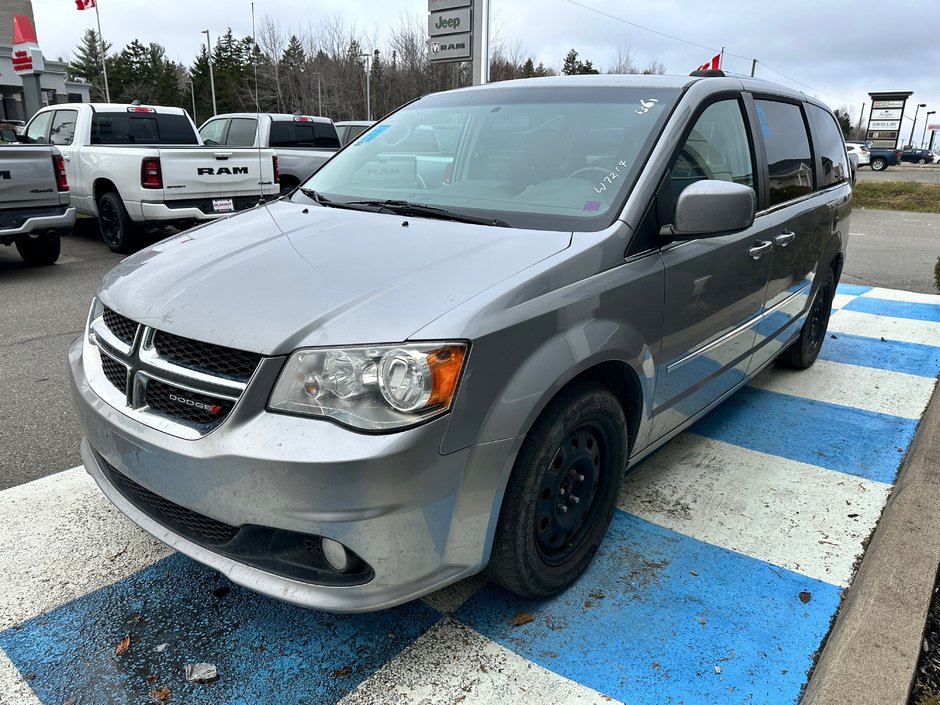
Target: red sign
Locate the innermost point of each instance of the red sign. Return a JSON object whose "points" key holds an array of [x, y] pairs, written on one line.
{"points": [[22, 61]]}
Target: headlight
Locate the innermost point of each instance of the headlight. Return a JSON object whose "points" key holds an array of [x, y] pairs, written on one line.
{"points": [[374, 388]]}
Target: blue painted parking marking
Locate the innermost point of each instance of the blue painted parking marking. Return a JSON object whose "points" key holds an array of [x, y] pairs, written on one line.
{"points": [[910, 358], [663, 618], [260, 646], [659, 617], [895, 309], [853, 441]]}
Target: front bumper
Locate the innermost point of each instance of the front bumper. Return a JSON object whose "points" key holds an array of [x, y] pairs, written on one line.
{"points": [[419, 519]]}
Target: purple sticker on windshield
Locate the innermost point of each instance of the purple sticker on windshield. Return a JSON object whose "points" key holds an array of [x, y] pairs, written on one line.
{"points": [[592, 205]]}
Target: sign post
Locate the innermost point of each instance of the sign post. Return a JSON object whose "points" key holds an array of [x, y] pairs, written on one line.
{"points": [[457, 31]]}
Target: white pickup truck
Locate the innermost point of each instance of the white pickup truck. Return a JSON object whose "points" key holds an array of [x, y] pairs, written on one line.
{"points": [[302, 143], [137, 166], [34, 200]]}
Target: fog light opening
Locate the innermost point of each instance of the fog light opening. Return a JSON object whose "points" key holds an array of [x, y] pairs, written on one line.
{"points": [[335, 554]]}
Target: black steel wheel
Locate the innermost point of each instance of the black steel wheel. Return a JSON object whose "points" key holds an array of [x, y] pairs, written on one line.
{"points": [[40, 251], [118, 231], [805, 349], [562, 493]]}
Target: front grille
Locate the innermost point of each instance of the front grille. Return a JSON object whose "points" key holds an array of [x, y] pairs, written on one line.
{"points": [[205, 357], [181, 404], [124, 329], [191, 524], [115, 372]]}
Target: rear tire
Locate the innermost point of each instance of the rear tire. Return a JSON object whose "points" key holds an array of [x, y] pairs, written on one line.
{"points": [[805, 349], [921, 161], [118, 231], [40, 251], [879, 164], [573, 457]]}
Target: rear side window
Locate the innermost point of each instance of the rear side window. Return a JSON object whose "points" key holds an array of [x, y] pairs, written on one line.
{"points": [[835, 167], [241, 132], [141, 128], [716, 148], [63, 127], [788, 155], [320, 135]]}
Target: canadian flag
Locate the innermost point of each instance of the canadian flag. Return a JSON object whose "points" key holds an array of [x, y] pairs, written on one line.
{"points": [[712, 63], [84, 4]]}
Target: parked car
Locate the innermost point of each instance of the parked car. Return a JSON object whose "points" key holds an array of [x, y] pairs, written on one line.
{"points": [[34, 199], [440, 355], [917, 156], [136, 166], [880, 158], [859, 149], [302, 142], [349, 130]]}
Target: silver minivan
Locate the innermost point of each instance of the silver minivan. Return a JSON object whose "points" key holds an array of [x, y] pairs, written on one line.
{"points": [[442, 352]]}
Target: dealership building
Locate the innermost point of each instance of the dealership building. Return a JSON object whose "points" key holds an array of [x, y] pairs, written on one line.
{"points": [[56, 88]]}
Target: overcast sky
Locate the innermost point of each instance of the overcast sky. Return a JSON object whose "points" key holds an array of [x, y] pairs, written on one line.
{"points": [[836, 50]]}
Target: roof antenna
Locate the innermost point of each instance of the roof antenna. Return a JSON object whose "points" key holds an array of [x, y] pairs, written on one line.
{"points": [[254, 61]]}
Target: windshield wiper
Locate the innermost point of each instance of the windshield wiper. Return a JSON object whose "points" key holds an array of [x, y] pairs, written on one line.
{"points": [[420, 209], [322, 200]]}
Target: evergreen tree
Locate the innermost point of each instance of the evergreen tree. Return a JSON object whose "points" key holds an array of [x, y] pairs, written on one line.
{"points": [[574, 66], [86, 64], [291, 75]]}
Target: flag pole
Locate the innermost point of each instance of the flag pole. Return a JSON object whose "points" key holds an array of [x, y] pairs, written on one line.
{"points": [[721, 57], [104, 63]]}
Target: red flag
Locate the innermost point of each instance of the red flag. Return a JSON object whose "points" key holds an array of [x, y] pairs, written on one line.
{"points": [[84, 4], [712, 63]]}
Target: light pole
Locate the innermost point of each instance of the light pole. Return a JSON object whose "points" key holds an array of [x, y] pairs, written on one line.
{"points": [[192, 90], [923, 137], [368, 58], [910, 140], [211, 78]]}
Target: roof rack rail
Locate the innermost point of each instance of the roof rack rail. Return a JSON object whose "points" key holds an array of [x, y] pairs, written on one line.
{"points": [[705, 73]]}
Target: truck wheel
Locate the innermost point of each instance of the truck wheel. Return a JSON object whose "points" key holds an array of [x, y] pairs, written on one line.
{"points": [[561, 494], [921, 161], [39, 251], [118, 231], [879, 164], [805, 349]]}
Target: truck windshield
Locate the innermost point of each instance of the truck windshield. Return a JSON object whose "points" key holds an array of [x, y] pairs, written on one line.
{"points": [[141, 128], [539, 157]]}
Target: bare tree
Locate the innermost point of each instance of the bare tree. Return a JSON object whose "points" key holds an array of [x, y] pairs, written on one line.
{"points": [[623, 61]]}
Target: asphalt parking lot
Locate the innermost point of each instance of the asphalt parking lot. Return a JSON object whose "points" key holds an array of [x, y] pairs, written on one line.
{"points": [[724, 566]]}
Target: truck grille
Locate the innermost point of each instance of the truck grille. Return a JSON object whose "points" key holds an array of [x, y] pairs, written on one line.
{"points": [[190, 383]]}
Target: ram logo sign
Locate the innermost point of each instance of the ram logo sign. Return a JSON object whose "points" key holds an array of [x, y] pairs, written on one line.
{"points": [[211, 171], [453, 47], [5, 175]]}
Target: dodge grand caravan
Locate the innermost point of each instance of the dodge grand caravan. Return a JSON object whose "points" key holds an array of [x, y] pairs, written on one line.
{"points": [[442, 352]]}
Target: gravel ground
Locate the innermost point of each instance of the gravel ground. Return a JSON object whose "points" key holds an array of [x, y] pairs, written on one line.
{"points": [[926, 690]]}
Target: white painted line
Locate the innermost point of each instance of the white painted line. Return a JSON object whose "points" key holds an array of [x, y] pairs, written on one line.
{"points": [[881, 391], [454, 664], [62, 539], [787, 513], [13, 689], [912, 297], [871, 326], [840, 300]]}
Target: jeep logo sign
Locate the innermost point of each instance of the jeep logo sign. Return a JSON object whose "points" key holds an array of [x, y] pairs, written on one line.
{"points": [[453, 47], [449, 22]]}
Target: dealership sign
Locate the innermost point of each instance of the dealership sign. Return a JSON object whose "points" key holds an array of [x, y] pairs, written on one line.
{"points": [[884, 120], [449, 22], [27, 57]]}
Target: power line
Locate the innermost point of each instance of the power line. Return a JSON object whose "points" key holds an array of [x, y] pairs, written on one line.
{"points": [[703, 46]]}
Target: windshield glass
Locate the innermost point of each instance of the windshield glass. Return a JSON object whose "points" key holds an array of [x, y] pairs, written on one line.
{"points": [[543, 158]]}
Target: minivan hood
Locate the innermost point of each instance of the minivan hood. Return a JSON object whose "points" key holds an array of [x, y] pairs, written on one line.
{"points": [[288, 275]]}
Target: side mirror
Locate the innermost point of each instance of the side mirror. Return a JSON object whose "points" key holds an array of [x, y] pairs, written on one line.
{"points": [[8, 134], [712, 207]]}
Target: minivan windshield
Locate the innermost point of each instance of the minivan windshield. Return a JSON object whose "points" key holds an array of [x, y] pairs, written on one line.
{"points": [[548, 158]]}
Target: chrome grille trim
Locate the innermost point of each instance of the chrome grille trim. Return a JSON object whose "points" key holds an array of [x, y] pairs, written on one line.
{"points": [[149, 356]]}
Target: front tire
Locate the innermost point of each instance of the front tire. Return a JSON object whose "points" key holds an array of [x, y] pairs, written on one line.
{"points": [[921, 161], [118, 231], [805, 349], [39, 252], [879, 164], [561, 494]]}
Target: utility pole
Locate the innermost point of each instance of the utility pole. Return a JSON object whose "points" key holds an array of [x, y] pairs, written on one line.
{"points": [[753, 67], [923, 137], [368, 58], [192, 90], [910, 140], [211, 78]]}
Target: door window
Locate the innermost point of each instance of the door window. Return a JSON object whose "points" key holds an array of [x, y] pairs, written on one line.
{"points": [[211, 132], [36, 132], [716, 148], [241, 132], [835, 168], [788, 154], [63, 127]]}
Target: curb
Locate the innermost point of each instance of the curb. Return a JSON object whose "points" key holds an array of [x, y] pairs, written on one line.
{"points": [[871, 654]]}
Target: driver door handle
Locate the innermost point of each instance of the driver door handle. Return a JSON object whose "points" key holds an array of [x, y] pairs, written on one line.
{"points": [[784, 238], [760, 248]]}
